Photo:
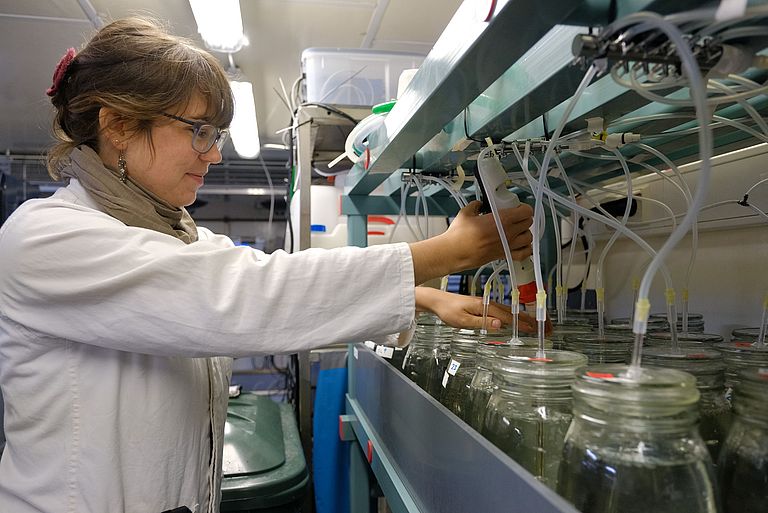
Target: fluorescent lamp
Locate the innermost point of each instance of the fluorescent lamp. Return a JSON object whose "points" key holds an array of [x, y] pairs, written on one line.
{"points": [[219, 23], [244, 130]]}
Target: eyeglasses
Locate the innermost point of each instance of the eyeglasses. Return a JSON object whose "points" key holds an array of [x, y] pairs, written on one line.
{"points": [[204, 135]]}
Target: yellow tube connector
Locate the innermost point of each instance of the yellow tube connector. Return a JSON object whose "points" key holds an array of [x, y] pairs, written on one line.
{"points": [[487, 288], [541, 305], [685, 295], [600, 294], [670, 294], [642, 311], [635, 283]]}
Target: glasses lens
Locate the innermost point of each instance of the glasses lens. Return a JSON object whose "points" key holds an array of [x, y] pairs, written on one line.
{"points": [[204, 138]]}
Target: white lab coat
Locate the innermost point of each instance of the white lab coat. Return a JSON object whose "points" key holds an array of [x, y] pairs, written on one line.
{"points": [[108, 335]]}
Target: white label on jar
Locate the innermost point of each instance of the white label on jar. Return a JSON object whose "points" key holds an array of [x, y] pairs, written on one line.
{"points": [[453, 367], [385, 351], [445, 378], [370, 344], [354, 352]]}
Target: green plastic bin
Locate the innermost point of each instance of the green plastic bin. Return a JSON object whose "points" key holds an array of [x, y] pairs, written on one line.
{"points": [[264, 469]]}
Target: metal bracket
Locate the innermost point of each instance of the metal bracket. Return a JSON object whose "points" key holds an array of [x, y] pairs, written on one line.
{"points": [[346, 428]]}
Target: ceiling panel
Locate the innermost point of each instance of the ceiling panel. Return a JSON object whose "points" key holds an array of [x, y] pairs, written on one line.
{"points": [[402, 24], [52, 8], [35, 33]]}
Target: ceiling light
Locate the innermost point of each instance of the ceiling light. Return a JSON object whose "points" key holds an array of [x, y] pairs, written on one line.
{"points": [[220, 24], [244, 129]]}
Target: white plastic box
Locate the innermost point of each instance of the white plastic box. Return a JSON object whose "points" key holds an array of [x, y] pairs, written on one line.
{"points": [[345, 76]]}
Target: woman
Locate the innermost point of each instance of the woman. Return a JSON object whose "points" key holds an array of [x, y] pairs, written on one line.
{"points": [[116, 310]]}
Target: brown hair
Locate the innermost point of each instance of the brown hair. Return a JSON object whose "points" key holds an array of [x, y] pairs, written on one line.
{"points": [[136, 68]]}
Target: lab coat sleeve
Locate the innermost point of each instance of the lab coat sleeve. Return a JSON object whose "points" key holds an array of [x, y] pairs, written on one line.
{"points": [[73, 273]]}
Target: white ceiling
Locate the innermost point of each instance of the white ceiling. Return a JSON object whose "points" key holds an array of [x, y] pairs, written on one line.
{"points": [[35, 33]]}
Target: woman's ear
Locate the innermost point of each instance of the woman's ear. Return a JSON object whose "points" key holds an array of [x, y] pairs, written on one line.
{"points": [[114, 128]]}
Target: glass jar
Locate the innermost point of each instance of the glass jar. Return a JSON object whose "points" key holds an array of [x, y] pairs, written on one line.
{"points": [[611, 348], [458, 375], [420, 362], [657, 323], [575, 321], [488, 354], [664, 338], [529, 411], [739, 356], [745, 334], [560, 331], [589, 314], [626, 329], [442, 357], [709, 369], [691, 316], [695, 321], [633, 446], [743, 464]]}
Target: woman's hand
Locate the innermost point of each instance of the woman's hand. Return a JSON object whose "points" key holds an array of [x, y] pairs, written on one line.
{"points": [[472, 240], [462, 311]]}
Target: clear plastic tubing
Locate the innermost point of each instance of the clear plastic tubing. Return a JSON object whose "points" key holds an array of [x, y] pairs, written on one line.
{"points": [[761, 337], [476, 277], [490, 197], [609, 244], [698, 94], [541, 295], [694, 244], [423, 198], [487, 301], [576, 220], [499, 226]]}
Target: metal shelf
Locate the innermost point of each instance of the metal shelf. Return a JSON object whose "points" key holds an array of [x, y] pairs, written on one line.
{"points": [[426, 459], [497, 78]]}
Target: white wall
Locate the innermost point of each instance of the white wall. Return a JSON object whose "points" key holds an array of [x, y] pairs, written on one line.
{"points": [[730, 276]]}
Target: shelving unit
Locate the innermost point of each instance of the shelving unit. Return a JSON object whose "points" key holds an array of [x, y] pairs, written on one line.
{"points": [[500, 70], [499, 79], [426, 459]]}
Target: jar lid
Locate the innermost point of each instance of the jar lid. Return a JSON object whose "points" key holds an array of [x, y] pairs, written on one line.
{"points": [[571, 322], [704, 338], [532, 368], [464, 345], [745, 334], [651, 321], [636, 391], [627, 328], [612, 339], [468, 336], [559, 332], [746, 349], [691, 316], [694, 360]]}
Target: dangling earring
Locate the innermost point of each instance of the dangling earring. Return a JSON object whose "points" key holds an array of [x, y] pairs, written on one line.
{"points": [[121, 166]]}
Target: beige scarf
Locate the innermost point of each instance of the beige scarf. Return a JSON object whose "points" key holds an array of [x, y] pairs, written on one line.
{"points": [[128, 202]]}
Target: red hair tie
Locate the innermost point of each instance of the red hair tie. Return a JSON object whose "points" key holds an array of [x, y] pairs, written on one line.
{"points": [[61, 70]]}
